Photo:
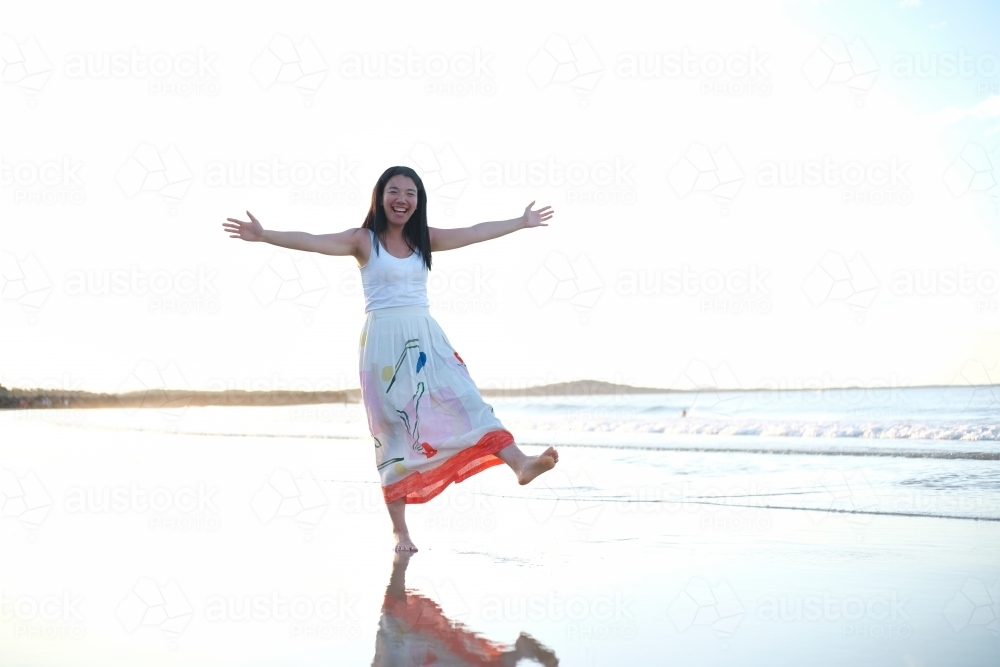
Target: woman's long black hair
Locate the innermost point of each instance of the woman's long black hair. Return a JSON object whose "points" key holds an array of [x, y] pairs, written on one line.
{"points": [[415, 231]]}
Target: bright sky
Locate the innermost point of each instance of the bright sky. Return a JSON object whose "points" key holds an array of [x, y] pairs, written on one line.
{"points": [[667, 136]]}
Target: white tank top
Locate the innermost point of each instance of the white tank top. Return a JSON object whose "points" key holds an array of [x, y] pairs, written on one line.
{"points": [[389, 281]]}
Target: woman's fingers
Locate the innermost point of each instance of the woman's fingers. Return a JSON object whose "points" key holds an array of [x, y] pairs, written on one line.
{"points": [[237, 229]]}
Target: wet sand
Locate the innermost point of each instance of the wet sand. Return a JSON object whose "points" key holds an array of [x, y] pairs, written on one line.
{"points": [[147, 547]]}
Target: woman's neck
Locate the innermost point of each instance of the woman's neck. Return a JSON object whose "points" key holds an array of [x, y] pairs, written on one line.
{"points": [[394, 232]]}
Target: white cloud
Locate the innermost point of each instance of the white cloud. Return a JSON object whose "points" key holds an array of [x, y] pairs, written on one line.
{"points": [[986, 110]]}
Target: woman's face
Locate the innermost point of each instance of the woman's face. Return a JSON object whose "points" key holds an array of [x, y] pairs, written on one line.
{"points": [[399, 199]]}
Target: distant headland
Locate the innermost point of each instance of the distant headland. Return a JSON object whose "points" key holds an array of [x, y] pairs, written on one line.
{"points": [[29, 399], [32, 399]]}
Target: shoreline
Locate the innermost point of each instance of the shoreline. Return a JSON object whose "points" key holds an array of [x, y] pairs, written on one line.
{"points": [[35, 399]]}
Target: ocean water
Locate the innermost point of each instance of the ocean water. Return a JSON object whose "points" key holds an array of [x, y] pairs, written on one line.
{"points": [[908, 451]]}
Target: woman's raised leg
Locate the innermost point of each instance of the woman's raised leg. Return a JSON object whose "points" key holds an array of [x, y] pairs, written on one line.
{"points": [[527, 467]]}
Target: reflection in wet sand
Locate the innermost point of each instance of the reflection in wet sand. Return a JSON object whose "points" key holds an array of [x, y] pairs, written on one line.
{"points": [[414, 631]]}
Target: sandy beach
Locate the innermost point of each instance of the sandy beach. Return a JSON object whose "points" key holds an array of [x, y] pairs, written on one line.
{"points": [[135, 542]]}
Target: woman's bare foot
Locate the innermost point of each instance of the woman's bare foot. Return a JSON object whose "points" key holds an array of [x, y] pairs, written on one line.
{"points": [[404, 543], [534, 466], [527, 646]]}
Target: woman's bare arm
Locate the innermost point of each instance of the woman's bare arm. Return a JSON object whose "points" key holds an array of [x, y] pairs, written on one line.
{"points": [[341, 243], [449, 239], [348, 242]]}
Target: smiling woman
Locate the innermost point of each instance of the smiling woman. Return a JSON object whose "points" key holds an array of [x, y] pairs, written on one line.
{"points": [[429, 424]]}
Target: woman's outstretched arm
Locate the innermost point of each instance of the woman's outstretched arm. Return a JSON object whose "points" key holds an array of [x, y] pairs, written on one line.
{"points": [[347, 242], [449, 239]]}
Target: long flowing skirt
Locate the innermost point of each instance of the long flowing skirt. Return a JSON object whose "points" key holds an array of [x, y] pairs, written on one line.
{"points": [[429, 424]]}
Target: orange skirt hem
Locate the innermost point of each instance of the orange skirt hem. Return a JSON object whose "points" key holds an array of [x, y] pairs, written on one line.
{"points": [[419, 487]]}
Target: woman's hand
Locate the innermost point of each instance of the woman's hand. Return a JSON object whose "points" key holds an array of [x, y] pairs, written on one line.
{"points": [[248, 231], [449, 239], [536, 218]]}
